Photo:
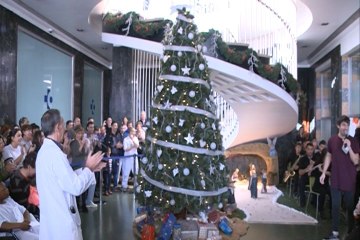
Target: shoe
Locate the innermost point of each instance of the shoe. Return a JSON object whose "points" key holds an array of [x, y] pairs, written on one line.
{"points": [[91, 205], [332, 236]]}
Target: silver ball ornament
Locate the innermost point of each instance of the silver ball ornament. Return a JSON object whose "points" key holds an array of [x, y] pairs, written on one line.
{"points": [[144, 160], [168, 129], [190, 36], [192, 94], [201, 66]]}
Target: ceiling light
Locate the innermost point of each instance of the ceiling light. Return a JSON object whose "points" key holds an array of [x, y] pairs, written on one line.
{"points": [[324, 24]]}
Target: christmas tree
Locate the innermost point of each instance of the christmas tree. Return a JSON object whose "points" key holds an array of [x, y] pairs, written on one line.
{"points": [[184, 166]]}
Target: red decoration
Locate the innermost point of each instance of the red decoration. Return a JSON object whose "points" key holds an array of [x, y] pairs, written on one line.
{"points": [[148, 232]]}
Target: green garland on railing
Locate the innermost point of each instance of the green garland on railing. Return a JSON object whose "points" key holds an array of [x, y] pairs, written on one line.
{"points": [[154, 30], [117, 23]]}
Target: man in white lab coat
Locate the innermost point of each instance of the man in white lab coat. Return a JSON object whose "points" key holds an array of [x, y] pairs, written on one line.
{"points": [[58, 184]]}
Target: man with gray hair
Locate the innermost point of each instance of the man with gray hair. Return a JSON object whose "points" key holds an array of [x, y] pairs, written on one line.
{"points": [[58, 184]]}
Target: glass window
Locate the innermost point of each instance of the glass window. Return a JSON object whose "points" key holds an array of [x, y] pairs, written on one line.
{"points": [[44, 79], [92, 94], [354, 85], [324, 98]]}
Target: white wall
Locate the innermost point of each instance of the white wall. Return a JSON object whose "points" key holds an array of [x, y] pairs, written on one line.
{"points": [[349, 39]]}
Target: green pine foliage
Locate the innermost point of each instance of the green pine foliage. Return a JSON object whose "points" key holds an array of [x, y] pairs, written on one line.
{"points": [[181, 165], [154, 31]]}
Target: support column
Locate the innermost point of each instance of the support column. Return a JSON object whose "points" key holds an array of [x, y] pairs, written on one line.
{"points": [[121, 93]]}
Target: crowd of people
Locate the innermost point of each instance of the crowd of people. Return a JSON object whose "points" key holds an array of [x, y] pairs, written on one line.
{"points": [[333, 167], [20, 152]]}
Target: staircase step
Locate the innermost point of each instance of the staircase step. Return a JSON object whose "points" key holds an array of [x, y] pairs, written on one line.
{"points": [[238, 46], [264, 59]]}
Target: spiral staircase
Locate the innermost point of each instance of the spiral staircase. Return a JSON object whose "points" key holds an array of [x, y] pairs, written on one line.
{"points": [[263, 109]]}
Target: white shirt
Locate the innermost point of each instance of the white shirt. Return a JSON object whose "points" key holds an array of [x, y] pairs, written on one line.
{"points": [[58, 185], [128, 143], [26, 144], [10, 151], [10, 211]]}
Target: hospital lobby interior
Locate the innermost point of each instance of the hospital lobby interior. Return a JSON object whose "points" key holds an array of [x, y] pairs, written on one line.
{"points": [[225, 92]]}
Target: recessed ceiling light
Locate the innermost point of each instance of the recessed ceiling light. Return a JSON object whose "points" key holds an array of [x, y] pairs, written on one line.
{"points": [[80, 29], [324, 24]]}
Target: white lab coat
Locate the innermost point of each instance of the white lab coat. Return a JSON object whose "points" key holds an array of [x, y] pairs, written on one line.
{"points": [[58, 185]]}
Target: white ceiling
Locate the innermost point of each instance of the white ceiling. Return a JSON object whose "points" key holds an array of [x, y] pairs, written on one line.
{"points": [[66, 16], [335, 12]]}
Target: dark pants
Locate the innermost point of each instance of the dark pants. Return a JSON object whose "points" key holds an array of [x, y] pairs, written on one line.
{"points": [[253, 187], [114, 172], [296, 184], [357, 189], [335, 209], [303, 180], [264, 182], [354, 234], [323, 190], [107, 177]]}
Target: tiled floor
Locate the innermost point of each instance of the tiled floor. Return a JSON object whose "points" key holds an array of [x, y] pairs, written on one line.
{"points": [[113, 221]]}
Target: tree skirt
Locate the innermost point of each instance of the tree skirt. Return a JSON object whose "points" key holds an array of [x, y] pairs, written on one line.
{"points": [[265, 209]]}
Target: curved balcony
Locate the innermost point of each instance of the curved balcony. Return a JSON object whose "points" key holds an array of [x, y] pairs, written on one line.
{"points": [[263, 109]]}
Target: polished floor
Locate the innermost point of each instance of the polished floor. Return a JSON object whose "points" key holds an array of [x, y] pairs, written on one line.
{"points": [[113, 221]]}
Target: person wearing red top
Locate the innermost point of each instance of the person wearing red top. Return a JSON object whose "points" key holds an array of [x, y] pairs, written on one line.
{"points": [[343, 154]]}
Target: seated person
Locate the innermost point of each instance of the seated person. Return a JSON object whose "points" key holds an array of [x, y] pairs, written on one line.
{"points": [[14, 217], [7, 167], [20, 182]]}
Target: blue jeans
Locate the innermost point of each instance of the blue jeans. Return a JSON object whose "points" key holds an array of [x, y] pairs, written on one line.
{"points": [[90, 194], [335, 208]]}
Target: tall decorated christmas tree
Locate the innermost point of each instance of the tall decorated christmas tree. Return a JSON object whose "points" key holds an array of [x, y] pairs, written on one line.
{"points": [[184, 167]]}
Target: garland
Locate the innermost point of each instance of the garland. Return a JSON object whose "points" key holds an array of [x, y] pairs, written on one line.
{"points": [[117, 23]]}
